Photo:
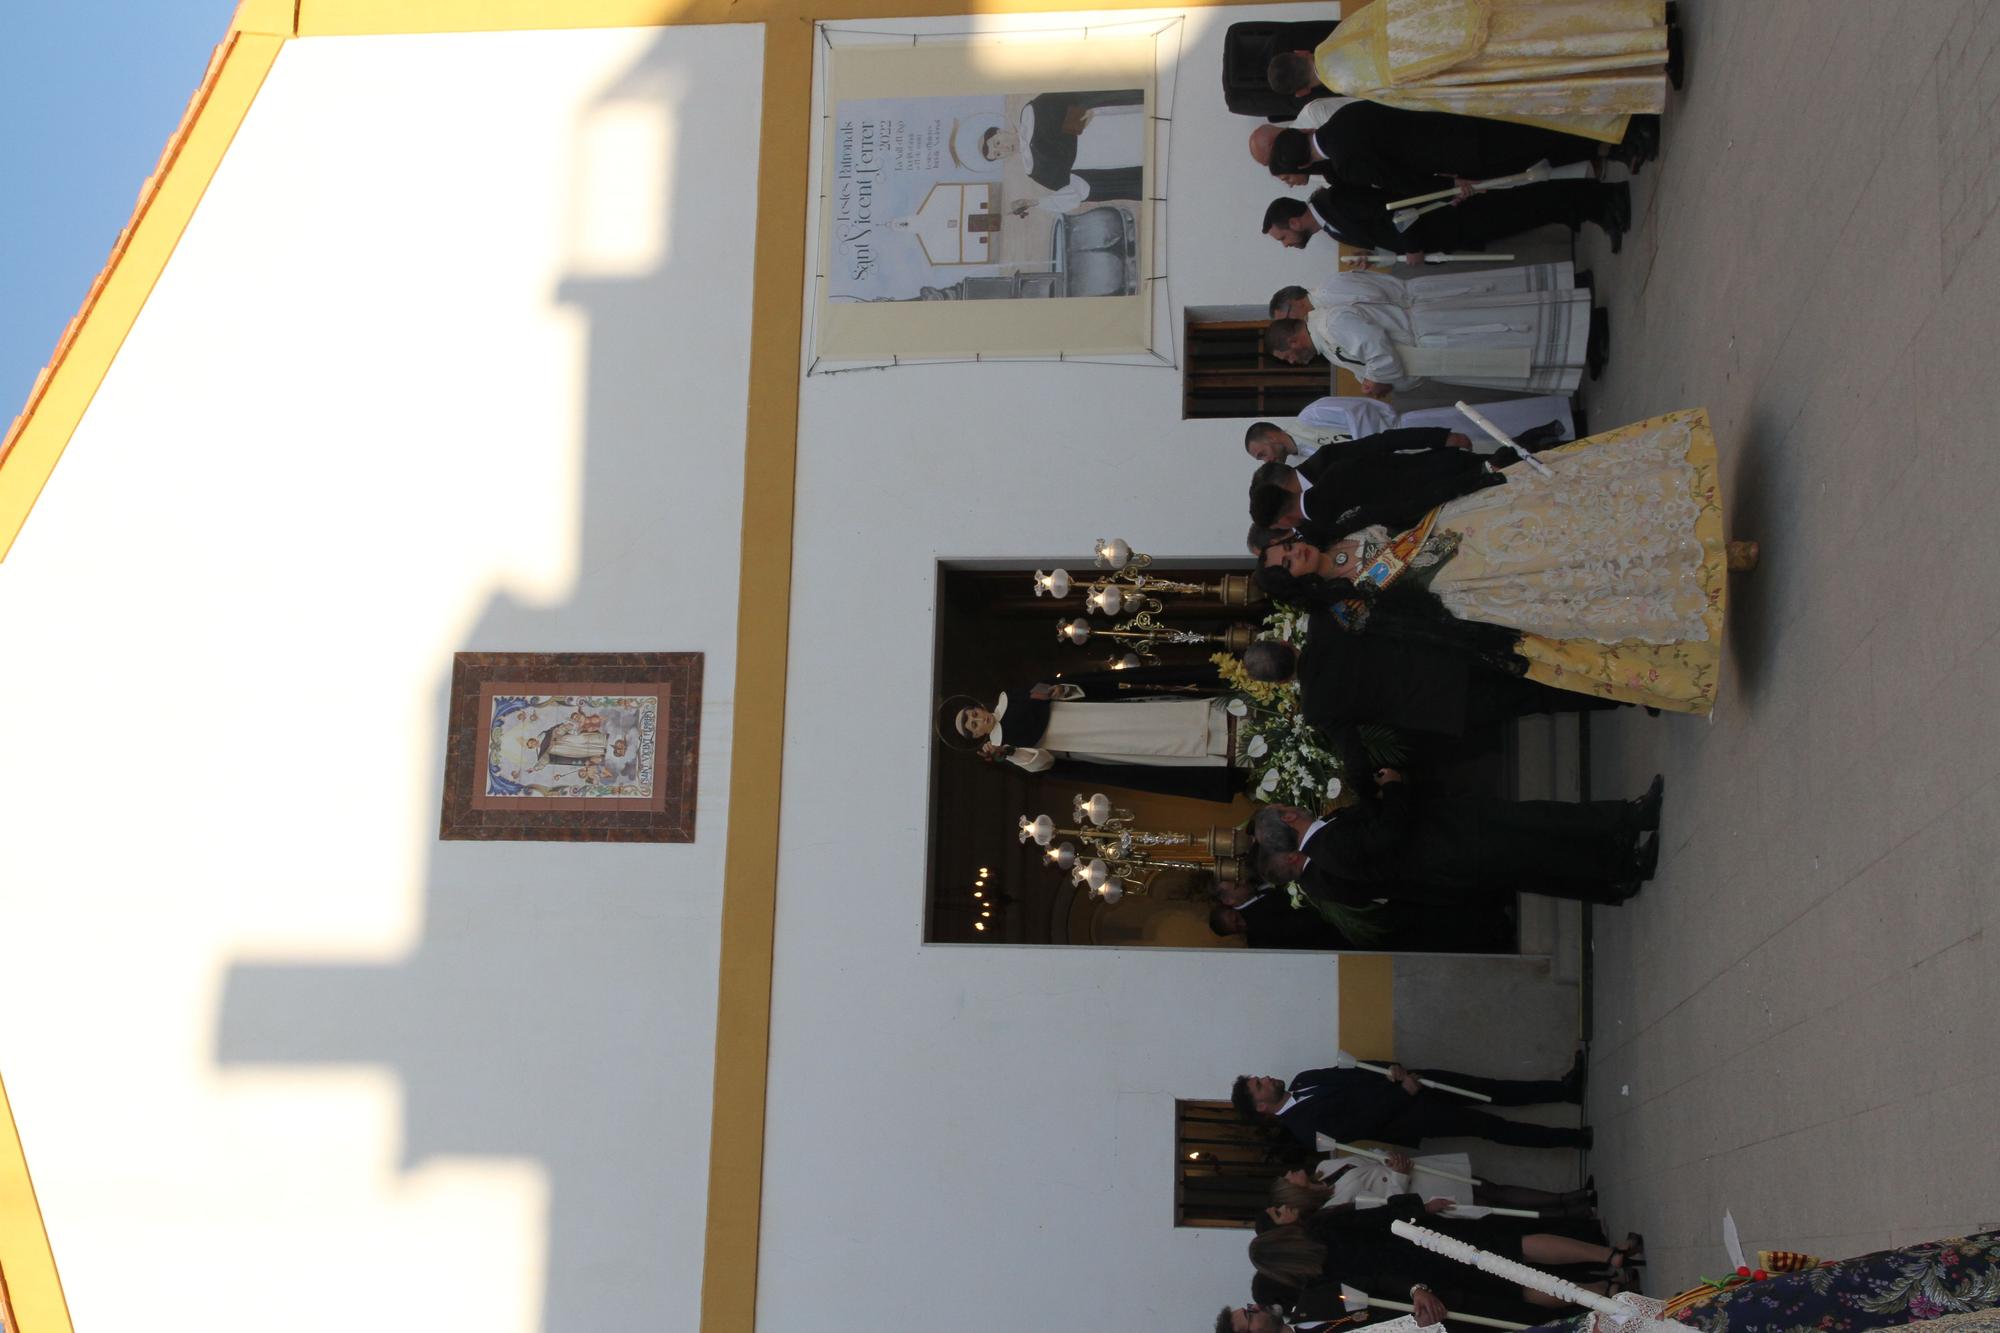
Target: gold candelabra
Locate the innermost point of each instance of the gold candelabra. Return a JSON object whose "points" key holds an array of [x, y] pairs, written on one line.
{"points": [[1125, 580], [1145, 634], [1116, 858]]}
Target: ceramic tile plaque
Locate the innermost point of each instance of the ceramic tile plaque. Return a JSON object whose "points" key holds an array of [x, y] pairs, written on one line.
{"points": [[572, 747]]}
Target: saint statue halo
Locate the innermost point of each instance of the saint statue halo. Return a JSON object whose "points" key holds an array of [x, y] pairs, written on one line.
{"points": [[966, 132], [945, 723]]}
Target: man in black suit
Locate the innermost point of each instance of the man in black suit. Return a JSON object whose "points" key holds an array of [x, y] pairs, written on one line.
{"points": [[1451, 850], [1266, 919], [1265, 914], [1351, 1104], [1393, 477], [1358, 215], [1268, 923], [1346, 680]]}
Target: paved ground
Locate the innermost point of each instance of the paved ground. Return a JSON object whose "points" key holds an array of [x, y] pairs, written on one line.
{"points": [[1800, 1020]]}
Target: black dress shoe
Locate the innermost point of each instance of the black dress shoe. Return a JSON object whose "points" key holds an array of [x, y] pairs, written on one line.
{"points": [[1541, 437], [1640, 145], [1578, 1076], [1676, 57]]}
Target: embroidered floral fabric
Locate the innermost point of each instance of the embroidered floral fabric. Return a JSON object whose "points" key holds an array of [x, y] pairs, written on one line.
{"points": [[1953, 1282], [1603, 548]]}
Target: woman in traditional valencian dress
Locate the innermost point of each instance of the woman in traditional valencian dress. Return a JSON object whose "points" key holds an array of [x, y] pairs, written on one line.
{"points": [[1611, 571], [1580, 66]]}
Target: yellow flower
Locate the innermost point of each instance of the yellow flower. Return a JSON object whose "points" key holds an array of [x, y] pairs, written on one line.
{"points": [[1236, 678]]}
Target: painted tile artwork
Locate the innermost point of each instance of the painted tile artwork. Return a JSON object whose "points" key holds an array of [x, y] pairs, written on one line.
{"points": [[566, 745], [572, 747]]}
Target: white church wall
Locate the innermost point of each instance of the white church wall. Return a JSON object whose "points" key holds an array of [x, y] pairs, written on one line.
{"points": [[980, 1136], [452, 357]]}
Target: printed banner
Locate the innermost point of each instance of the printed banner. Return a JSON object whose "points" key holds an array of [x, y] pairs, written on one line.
{"points": [[987, 200]]}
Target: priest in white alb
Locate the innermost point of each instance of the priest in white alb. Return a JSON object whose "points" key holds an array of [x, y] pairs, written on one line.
{"points": [[1528, 328]]}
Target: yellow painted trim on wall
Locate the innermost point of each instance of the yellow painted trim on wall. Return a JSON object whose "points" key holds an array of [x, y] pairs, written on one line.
{"points": [[1367, 1005], [33, 1287], [763, 632], [371, 18], [268, 18], [89, 347]]}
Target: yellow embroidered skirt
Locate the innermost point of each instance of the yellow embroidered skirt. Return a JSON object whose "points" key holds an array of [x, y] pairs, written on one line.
{"points": [[1679, 676]]}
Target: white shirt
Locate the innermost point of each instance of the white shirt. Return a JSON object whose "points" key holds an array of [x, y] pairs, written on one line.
{"points": [[1318, 112], [1301, 450], [1349, 418]]}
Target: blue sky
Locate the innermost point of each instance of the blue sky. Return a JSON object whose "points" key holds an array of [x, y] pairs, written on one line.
{"points": [[89, 94]]}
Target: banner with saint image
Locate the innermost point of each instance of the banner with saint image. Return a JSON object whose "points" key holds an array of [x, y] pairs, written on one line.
{"points": [[987, 199]]}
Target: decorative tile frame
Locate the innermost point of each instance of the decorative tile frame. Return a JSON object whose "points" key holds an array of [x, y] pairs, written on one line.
{"points": [[473, 811]]}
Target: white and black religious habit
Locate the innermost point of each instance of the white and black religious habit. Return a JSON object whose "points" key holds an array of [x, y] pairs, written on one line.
{"points": [[1085, 146], [1414, 152], [1524, 328], [1174, 744], [1359, 215]]}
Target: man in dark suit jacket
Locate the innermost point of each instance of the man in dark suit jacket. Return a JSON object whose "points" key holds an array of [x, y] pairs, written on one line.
{"points": [[1393, 477], [1266, 914], [1266, 919], [1351, 1104], [1452, 850], [1346, 680]]}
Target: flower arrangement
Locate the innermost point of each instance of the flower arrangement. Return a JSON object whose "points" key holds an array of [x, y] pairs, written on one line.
{"points": [[1289, 761]]}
